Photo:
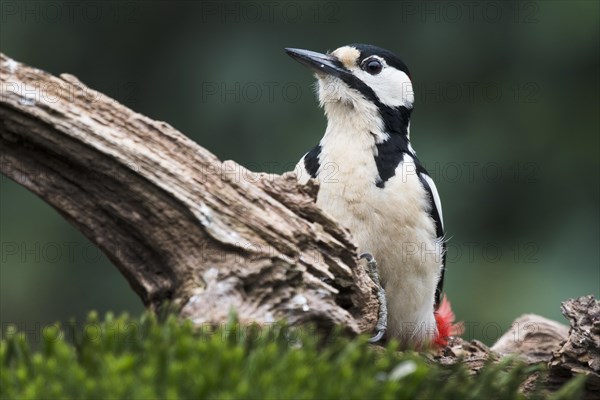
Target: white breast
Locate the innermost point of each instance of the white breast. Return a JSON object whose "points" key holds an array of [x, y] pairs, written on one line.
{"points": [[391, 223]]}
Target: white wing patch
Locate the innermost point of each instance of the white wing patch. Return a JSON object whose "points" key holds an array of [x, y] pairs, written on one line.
{"points": [[302, 174], [436, 197]]}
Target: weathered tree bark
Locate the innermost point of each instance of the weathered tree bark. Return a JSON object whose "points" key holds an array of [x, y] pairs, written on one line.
{"points": [[209, 236], [179, 224], [580, 353], [534, 339]]}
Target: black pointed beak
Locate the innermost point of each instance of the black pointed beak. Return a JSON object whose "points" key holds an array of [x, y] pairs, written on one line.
{"points": [[320, 63]]}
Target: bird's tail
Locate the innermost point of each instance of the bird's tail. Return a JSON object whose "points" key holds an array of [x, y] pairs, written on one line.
{"points": [[444, 318]]}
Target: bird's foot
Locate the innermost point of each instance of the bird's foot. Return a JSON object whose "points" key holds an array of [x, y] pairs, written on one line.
{"points": [[381, 326]]}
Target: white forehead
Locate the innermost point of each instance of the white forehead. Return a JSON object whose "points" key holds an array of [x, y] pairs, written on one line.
{"points": [[348, 55]]}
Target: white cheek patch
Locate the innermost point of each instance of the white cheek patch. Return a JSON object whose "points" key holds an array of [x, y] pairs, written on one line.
{"points": [[392, 86]]}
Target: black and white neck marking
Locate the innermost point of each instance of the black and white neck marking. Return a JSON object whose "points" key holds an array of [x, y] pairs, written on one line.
{"points": [[388, 152]]}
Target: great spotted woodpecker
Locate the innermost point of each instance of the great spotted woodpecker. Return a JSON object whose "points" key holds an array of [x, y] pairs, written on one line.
{"points": [[372, 183]]}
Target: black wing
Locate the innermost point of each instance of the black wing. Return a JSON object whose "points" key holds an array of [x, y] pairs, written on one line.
{"points": [[311, 161]]}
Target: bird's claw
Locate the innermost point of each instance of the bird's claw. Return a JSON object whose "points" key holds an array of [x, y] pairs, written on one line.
{"points": [[381, 326]]}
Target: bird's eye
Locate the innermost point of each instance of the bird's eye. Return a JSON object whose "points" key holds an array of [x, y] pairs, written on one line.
{"points": [[373, 66]]}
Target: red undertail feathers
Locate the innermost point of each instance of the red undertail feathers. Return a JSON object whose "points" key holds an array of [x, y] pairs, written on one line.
{"points": [[444, 318]]}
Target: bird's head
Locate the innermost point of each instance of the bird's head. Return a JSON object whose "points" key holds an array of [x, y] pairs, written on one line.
{"points": [[363, 78]]}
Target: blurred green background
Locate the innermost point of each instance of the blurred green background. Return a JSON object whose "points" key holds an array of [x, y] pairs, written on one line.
{"points": [[506, 120]]}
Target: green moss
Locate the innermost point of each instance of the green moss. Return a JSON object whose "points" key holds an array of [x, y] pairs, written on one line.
{"points": [[142, 358]]}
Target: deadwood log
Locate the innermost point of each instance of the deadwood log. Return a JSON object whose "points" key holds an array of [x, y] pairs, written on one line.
{"points": [[580, 353], [565, 351], [181, 226], [208, 236]]}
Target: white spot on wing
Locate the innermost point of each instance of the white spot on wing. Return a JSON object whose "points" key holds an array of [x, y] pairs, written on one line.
{"points": [[436, 197], [302, 173]]}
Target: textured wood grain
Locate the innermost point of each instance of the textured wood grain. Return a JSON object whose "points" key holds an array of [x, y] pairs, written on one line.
{"points": [[580, 353], [566, 351], [208, 236]]}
